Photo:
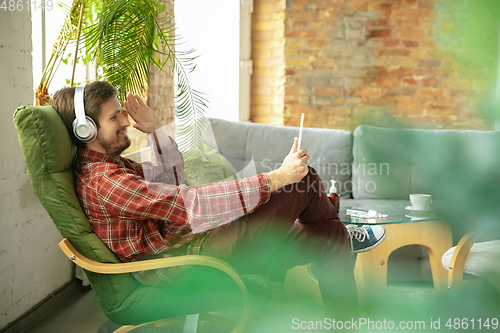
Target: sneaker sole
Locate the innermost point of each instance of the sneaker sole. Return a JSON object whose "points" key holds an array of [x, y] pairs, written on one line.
{"points": [[366, 249]]}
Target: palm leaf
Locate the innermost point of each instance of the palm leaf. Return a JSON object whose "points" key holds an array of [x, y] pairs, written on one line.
{"points": [[127, 38], [191, 107]]}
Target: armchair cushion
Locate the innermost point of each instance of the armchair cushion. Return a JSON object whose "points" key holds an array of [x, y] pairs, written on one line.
{"points": [[48, 155]]}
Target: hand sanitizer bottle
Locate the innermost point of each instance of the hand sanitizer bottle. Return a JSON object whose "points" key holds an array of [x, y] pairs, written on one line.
{"points": [[334, 197]]}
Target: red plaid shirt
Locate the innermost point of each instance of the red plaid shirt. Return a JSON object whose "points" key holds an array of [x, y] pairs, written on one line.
{"points": [[139, 219]]}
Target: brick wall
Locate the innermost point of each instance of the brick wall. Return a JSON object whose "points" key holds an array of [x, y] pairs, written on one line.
{"points": [[380, 62], [32, 266], [268, 55]]}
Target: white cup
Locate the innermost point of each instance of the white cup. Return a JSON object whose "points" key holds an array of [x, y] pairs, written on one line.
{"points": [[420, 201]]}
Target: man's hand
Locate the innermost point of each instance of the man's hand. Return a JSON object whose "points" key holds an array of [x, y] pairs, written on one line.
{"points": [[146, 120], [293, 169]]}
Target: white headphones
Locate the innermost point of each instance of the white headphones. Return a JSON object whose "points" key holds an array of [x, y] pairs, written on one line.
{"points": [[83, 126]]}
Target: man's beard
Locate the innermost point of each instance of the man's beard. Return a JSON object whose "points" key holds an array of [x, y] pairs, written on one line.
{"points": [[115, 147]]}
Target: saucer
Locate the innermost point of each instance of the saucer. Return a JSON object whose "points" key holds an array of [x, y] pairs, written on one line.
{"points": [[418, 210], [416, 217]]}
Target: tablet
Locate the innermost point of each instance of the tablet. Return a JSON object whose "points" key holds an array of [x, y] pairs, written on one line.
{"points": [[300, 131]]}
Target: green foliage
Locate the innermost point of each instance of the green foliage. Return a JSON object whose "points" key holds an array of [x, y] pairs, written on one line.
{"points": [[123, 42], [473, 44], [191, 115], [480, 33]]}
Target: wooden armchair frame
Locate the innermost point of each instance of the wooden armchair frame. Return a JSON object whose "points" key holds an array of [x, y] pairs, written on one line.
{"points": [[456, 269], [129, 267]]}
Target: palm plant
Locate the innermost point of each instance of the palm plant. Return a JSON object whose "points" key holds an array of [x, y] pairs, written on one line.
{"points": [[124, 37]]}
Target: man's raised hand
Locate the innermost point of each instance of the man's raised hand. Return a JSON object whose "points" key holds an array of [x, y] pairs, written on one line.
{"points": [[146, 120], [293, 169]]}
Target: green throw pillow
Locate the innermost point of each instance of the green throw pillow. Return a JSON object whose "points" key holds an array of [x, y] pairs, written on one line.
{"points": [[216, 168]]}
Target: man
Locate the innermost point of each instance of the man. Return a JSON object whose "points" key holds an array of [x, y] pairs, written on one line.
{"points": [[144, 211]]}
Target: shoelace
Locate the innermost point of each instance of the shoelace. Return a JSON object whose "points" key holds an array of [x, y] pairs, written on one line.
{"points": [[359, 233]]}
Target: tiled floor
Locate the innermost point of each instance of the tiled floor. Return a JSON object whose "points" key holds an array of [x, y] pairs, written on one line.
{"points": [[81, 313]]}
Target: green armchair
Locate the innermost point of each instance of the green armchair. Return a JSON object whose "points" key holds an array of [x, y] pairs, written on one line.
{"points": [[48, 155]]}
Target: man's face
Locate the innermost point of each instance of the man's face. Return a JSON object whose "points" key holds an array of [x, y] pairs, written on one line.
{"points": [[112, 136]]}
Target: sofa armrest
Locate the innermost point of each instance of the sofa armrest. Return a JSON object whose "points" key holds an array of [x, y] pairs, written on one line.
{"points": [[456, 269]]}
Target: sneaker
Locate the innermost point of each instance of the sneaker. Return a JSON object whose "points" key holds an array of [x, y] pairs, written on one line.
{"points": [[362, 239]]}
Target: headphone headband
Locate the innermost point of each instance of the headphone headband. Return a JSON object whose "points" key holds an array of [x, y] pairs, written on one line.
{"points": [[80, 104]]}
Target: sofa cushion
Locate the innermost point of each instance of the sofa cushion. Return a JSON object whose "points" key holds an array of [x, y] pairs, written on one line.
{"points": [[217, 168], [391, 163], [330, 150]]}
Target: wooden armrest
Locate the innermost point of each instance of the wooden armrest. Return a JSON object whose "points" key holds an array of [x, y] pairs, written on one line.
{"points": [[137, 266], [456, 271], [129, 267]]}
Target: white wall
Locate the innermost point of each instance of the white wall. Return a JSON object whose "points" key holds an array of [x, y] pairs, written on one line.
{"points": [[31, 265]]}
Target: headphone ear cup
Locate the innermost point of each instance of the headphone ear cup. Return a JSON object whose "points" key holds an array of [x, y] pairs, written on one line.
{"points": [[84, 127], [86, 132]]}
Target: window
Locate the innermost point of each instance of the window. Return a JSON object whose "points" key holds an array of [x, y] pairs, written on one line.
{"points": [[44, 35], [213, 29]]}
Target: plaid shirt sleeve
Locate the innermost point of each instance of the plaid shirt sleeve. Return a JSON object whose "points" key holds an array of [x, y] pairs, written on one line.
{"points": [[130, 196]]}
